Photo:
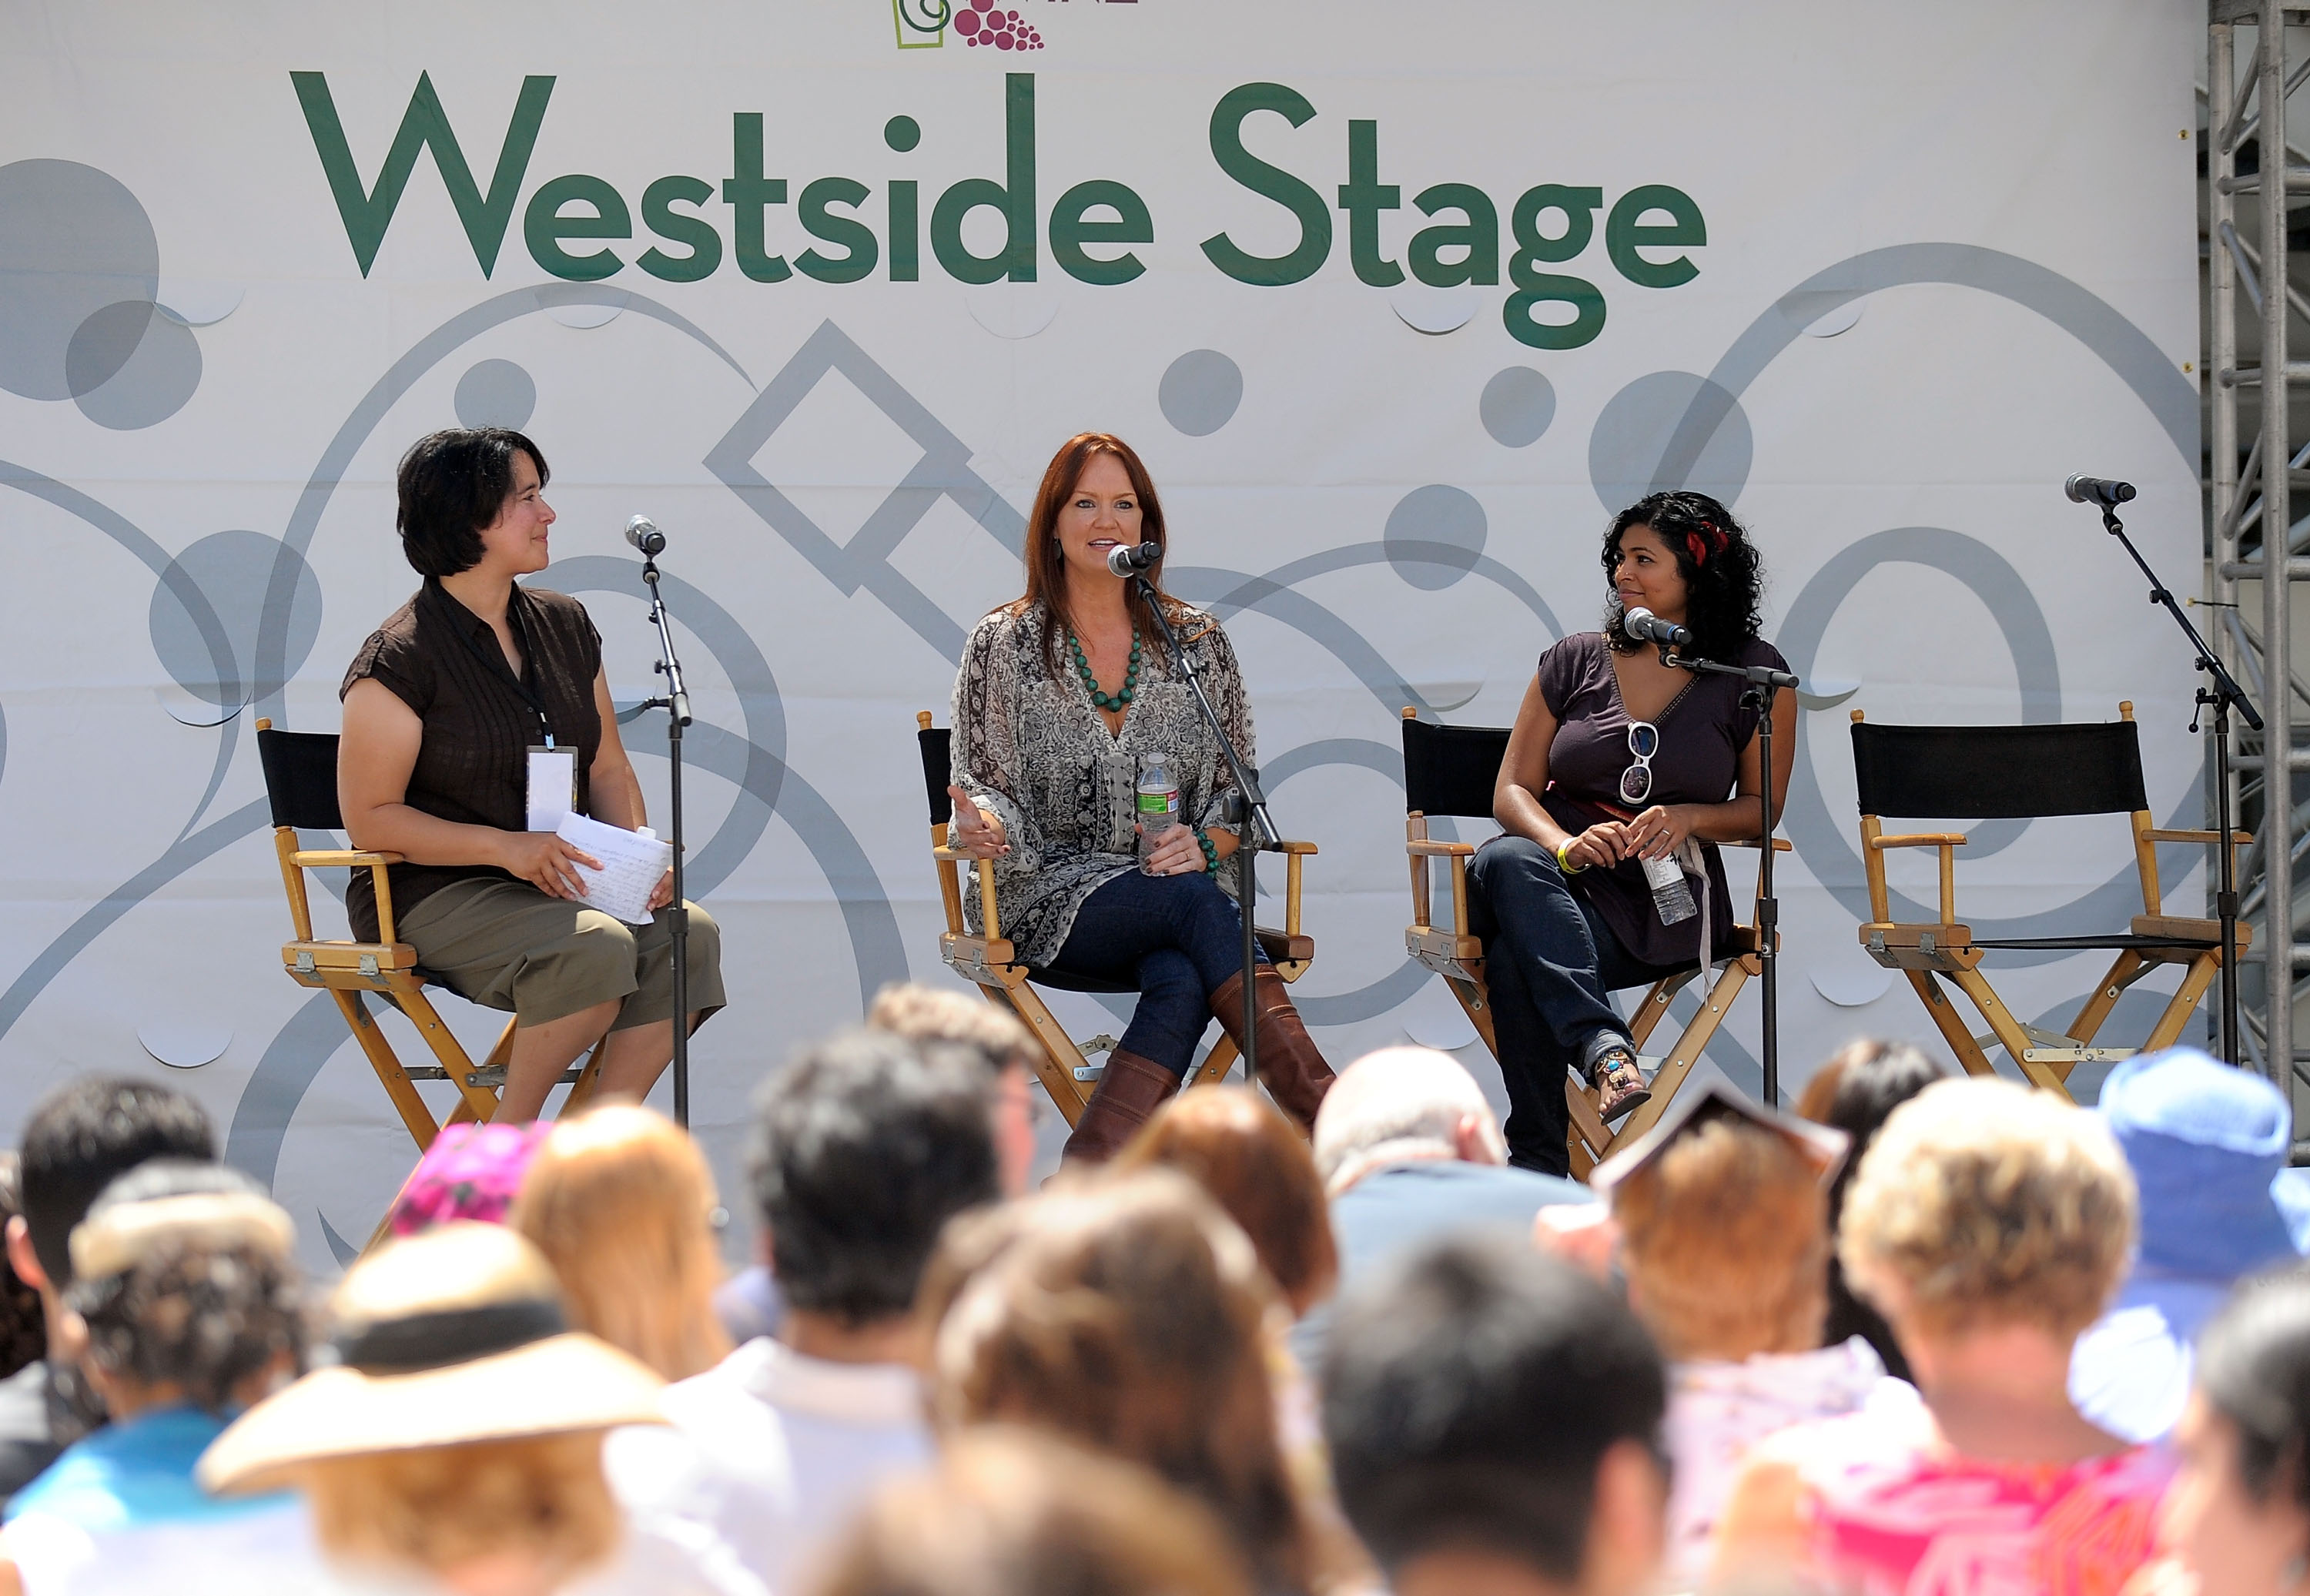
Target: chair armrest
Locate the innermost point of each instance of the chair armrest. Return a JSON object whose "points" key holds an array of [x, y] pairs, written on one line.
{"points": [[945, 855], [1921, 839], [1781, 845], [1301, 848], [2236, 835], [1441, 850], [323, 858]]}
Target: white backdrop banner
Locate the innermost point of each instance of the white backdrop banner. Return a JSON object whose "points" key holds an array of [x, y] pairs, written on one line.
{"points": [[1400, 303]]}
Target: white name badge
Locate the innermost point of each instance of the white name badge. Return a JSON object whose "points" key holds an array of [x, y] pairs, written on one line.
{"points": [[552, 786]]}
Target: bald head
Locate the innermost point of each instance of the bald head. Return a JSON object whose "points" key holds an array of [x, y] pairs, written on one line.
{"points": [[1398, 1105]]}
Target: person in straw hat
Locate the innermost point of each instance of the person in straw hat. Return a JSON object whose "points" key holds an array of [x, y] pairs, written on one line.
{"points": [[455, 1443], [183, 1308]]}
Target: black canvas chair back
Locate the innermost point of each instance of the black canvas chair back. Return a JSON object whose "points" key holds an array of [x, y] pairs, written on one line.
{"points": [[937, 761], [300, 779], [1451, 770], [1998, 772]]}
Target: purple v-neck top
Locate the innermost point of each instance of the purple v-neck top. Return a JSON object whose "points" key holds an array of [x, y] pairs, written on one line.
{"points": [[1702, 734]]}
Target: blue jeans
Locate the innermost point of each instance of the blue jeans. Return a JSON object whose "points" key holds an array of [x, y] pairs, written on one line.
{"points": [[1178, 938], [1549, 962]]}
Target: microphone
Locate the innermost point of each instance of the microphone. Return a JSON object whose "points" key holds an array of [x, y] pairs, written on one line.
{"points": [[1645, 627], [2083, 490], [642, 532], [1125, 561]]}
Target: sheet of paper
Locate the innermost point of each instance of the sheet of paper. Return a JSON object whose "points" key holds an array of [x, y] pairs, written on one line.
{"points": [[632, 865], [552, 784]]}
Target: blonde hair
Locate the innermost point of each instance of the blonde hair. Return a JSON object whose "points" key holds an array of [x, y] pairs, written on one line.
{"points": [[1726, 1240], [618, 1199], [1013, 1513], [433, 1507], [1982, 1202], [1130, 1316]]}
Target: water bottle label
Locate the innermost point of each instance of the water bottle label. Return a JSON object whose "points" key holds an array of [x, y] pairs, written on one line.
{"points": [[1673, 900]]}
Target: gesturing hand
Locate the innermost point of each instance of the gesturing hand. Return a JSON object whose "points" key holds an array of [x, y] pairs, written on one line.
{"points": [[973, 830], [1176, 853], [547, 863]]}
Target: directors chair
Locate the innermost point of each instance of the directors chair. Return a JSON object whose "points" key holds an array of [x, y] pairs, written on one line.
{"points": [[990, 963], [2022, 773], [301, 780], [1451, 770]]}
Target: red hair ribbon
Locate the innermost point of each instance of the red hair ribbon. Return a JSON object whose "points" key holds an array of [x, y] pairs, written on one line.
{"points": [[1701, 550]]}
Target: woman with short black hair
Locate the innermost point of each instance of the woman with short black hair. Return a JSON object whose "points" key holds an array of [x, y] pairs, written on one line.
{"points": [[1620, 758], [443, 706]]}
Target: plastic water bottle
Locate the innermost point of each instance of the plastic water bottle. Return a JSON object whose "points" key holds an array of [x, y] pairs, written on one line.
{"points": [[1672, 898], [1159, 804]]}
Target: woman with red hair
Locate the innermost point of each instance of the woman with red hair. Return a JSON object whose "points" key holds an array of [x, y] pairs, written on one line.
{"points": [[1064, 693]]}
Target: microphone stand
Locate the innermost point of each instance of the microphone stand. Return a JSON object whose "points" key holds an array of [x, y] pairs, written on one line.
{"points": [[1246, 806], [676, 704], [2223, 695], [1764, 684]]}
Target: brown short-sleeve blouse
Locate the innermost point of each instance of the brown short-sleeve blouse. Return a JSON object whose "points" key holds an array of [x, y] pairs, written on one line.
{"points": [[1702, 735], [444, 662]]}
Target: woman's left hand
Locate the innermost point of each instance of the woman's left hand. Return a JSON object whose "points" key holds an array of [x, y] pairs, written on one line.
{"points": [[1659, 831], [1176, 853], [662, 893]]}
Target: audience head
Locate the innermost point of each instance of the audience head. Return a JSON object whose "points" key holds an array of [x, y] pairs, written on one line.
{"points": [[1129, 1316], [863, 1149], [936, 1014], [1984, 1205], [1483, 1402], [620, 1202], [2238, 1514], [23, 1328], [1861, 1083], [1402, 1105], [184, 1290], [2208, 1146], [1250, 1162], [1724, 1237], [1009, 1512], [82, 1138], [471, 1171], [461, 1425]]}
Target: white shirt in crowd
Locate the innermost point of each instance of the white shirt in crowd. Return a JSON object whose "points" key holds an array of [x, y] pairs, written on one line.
{"points": [[770, 1454]]}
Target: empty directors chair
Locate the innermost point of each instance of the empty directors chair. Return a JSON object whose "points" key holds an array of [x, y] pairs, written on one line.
{"points": [[1986, 773], [1451, 770], [300, 779], [990, 962]]}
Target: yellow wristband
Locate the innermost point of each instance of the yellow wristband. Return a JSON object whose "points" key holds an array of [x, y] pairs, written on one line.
{"points": [[1565, 864]]}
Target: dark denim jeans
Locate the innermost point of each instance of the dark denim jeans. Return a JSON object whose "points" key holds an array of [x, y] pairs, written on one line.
{"points": [[1550, 964], [1178, 938]]}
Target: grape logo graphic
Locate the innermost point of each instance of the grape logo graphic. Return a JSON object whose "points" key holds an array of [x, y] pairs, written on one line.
{"points": [[921, 23], [980, 24]]}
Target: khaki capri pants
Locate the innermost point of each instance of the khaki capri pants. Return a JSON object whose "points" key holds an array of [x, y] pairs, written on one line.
{"points": [[506, 945]]}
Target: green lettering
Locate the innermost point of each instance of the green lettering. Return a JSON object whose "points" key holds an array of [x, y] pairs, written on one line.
{"points": [[906, 231], [543, 227], [1480, 235], [1579, 208], [1314, 245], [660, 218], [857, 239], [1071, 228], [424, 126], [1625, 234], [1014, 198], [748, 192], [1535, 289], [1363, 197]]}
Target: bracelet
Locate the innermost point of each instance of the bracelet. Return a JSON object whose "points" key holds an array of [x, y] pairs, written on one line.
{"points": [[1565, 864], [1210, 851]]}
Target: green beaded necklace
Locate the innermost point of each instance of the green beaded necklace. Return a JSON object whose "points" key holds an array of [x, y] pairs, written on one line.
{"points": [[1090, 682]]}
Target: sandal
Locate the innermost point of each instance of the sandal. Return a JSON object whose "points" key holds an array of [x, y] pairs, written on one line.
{"points": [[1616, 1075]]}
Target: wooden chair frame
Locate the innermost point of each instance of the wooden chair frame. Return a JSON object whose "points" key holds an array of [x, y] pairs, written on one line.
{"points": [[1457, 955], [989, 961], [347, 970], [1928, 953]]}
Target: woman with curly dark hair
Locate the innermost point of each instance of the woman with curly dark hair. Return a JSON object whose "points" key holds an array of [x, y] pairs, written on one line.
{"points": [[1617, 761]]}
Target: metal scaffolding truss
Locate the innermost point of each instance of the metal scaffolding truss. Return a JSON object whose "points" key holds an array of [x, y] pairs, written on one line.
{"points": [[2254, 548]]}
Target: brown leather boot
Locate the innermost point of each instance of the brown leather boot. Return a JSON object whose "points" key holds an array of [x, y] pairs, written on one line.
{"points": [[1293, 1072], [1130, 1089]]}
